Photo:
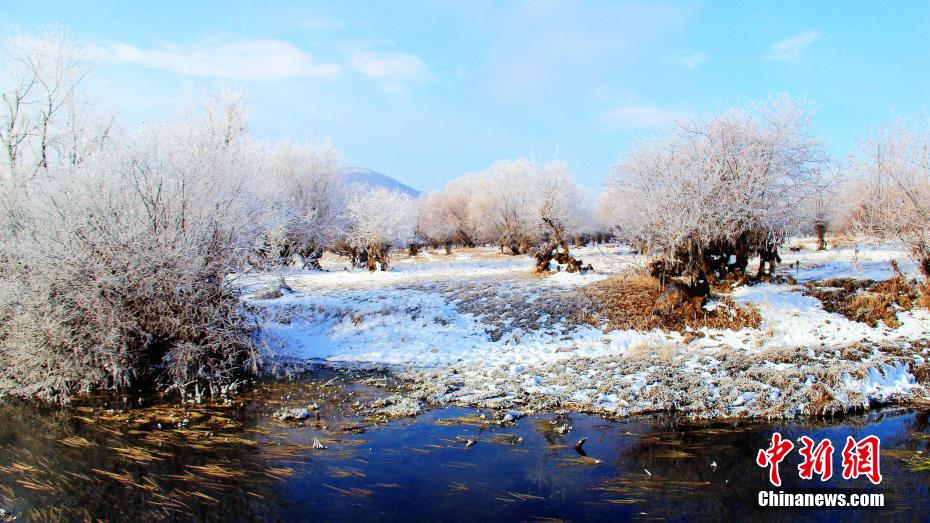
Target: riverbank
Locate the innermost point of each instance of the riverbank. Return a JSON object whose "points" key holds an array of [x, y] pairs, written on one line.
{"points": [[478, 329]]}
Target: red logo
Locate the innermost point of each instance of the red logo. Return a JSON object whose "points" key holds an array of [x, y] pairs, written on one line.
{"points": [[819, 459], [859, 458], [773, 455]]}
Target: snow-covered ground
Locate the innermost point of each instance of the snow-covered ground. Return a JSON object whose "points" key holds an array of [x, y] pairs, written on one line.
{"points": [[479, 328]]}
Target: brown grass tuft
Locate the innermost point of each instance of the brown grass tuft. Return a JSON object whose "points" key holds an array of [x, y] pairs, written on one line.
{"points": [[922, 373], [626, 302], [866, 301]]}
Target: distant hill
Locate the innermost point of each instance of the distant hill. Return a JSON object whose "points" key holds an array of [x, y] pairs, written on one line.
{"points": [[375, 179]]}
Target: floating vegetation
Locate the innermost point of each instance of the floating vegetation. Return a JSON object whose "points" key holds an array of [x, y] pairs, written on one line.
{"points": [[137, 454], [457, 487], [355, 491], [506, 439], [523, 496], [460, 465], [673, 454], [76, 442], [279, 473], [216, 471], [579, 460], [345, 472], [916, 460], [474, 420]]}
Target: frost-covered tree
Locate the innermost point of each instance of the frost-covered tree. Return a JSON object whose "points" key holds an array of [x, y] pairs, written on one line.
{"points": [[303, 198], [446, 216], [505, 203], [434, 222], [716, 191], [891, 181], [44, 120], [459, 211], [560, 207], [561, 210], [819, 213], [516, 204], [113, 263], [379, 219]]}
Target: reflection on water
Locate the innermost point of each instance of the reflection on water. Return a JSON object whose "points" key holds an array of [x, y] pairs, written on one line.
{"points": [[236, 462]]}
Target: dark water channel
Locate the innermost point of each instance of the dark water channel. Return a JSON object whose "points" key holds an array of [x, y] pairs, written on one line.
{"points": [[237, 463]]}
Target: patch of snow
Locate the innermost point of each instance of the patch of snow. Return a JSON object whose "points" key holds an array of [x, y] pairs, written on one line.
{"points": [[883, 383], [574, 279]]}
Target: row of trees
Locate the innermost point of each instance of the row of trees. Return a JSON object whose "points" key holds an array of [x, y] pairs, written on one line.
{"points": [[117, 245], [703, 199], [518, 205]]}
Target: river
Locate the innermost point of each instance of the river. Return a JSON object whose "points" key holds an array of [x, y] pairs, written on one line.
{"points": [[236, 462]]}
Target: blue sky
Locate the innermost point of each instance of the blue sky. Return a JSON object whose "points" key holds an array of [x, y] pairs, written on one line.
{"points": [[427, 91]]}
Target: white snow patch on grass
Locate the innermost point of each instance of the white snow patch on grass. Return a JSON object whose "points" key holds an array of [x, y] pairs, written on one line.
{"points": [[414, 319]]}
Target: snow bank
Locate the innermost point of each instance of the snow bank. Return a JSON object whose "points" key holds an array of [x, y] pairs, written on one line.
{"points": [[482, 330]]}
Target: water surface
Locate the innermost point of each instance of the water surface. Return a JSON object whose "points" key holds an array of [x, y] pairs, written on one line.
{"points": [[237, 463]]}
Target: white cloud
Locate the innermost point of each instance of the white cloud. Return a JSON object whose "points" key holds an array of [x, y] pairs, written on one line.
{"points": [[635, 116], [257, 60], [690, 59], [393, 70], [789, 49]]}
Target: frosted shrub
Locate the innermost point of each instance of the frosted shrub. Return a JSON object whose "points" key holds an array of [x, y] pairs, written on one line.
{"points": [[506, 202], [302, 198], [444, 220], [516, 204], [378, 220], [112, 269], [714, 192], [891, 196]]}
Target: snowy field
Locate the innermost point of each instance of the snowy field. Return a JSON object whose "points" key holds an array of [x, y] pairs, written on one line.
{"points": [[478, 328]]}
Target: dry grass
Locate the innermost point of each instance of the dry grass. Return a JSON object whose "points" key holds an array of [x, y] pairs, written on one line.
{"points": [[867, 301], [842, 241], [922, 373], [626, 302]]}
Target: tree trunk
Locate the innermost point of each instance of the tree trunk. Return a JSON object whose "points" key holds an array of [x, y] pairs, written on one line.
{"points": [[463, 238], [821, 230], [313, 260], [311, 256], [377, 258], [922, 255], [761, 272], [545, 255], [768, 255], [549, 252], [676, 295]]}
